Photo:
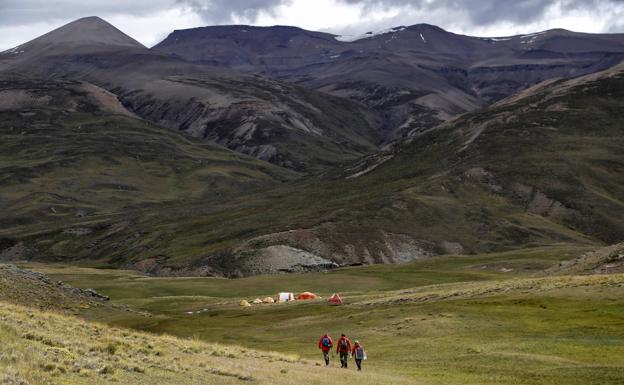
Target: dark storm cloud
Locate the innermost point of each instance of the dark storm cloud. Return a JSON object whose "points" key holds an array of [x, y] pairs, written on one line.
{"points": [[223, 11], [483, 12], [478, 12], [20, 12]]}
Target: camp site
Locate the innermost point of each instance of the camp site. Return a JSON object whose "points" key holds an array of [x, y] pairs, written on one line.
{"points": [[441, 309]]}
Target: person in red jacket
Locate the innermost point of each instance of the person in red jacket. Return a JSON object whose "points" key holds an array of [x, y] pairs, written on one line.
{"points": [[325, 344], [358, 354], [343, 347]]}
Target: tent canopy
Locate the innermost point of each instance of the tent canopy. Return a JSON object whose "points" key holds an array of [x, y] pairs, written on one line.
{"points": [[244, 303], [335, 299], [306, 295], [285, 297], [268, 300]]}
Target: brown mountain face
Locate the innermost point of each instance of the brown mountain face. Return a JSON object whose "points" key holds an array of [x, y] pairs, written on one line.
{"points": [[90, 174], [414, 77], [541, 168], [274, 121]]}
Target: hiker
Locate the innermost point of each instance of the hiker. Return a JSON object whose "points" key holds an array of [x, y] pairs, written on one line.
{"points": [[343, 347], [325, 344], [358, 354]]}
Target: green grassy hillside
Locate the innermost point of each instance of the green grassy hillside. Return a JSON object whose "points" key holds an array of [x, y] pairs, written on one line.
{"points": [[75, 165]]}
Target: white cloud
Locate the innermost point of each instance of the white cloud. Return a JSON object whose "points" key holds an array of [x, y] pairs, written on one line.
{"points": [[11, 36], [151, 29], [317, 14]]}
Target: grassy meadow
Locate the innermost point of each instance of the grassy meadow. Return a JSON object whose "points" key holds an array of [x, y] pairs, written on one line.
{"points": [[484, 319]]}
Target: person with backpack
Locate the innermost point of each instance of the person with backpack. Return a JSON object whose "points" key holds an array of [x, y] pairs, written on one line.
{"points": [[343, 347], [358, 354], [325, 344]]}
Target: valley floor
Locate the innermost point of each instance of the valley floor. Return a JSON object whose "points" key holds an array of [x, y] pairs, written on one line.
{"points": [[487, 319]]}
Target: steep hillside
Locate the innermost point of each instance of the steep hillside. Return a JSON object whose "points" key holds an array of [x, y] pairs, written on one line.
{"points": [[415, 77], [541, 168], [538, 168], [270, 120], [70, 152]]}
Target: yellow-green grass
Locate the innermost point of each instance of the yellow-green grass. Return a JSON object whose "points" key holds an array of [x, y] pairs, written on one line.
{"points": [[448, 320], [47, 348]]}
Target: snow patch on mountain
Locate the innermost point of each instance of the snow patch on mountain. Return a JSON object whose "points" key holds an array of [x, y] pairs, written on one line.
{"points": [[352, 38], [496, 39], [533, 35], [14, 50]]}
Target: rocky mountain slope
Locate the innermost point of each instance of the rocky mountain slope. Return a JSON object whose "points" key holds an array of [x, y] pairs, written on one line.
{"points": [[274, 121], [87, 174], [540, 168], [415, 77]]}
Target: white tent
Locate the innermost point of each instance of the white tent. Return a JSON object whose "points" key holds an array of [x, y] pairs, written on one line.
{"points": [[285, 297]]}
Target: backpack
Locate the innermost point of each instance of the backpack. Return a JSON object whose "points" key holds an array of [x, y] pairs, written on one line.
{"points": [[343, 345], [326, 342], [359, 353]]}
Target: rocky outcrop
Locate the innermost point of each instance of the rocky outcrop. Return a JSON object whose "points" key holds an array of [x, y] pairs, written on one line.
{"points": [[539, 203], [282, 259], [31, 288], [607, 260]]}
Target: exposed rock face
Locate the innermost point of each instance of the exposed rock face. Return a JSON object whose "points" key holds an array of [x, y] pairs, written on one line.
{"points": [[309, 250], [539, 203], [402, 248], [283, 259]]}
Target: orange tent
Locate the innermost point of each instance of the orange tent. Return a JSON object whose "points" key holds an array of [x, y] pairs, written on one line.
{"points": [[306, 295], [335, 300]]}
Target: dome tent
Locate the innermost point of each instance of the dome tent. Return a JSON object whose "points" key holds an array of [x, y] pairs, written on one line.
{"points": [[257, 301], [306, 295], [335, 299], [268, 300], [244, 303]]}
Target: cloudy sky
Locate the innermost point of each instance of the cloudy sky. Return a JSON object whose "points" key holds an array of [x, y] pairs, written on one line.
{"points": [[149, 21]]}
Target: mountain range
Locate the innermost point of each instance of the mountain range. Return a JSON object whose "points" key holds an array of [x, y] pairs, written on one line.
{"points": [[412, 77], [237, 150]]}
